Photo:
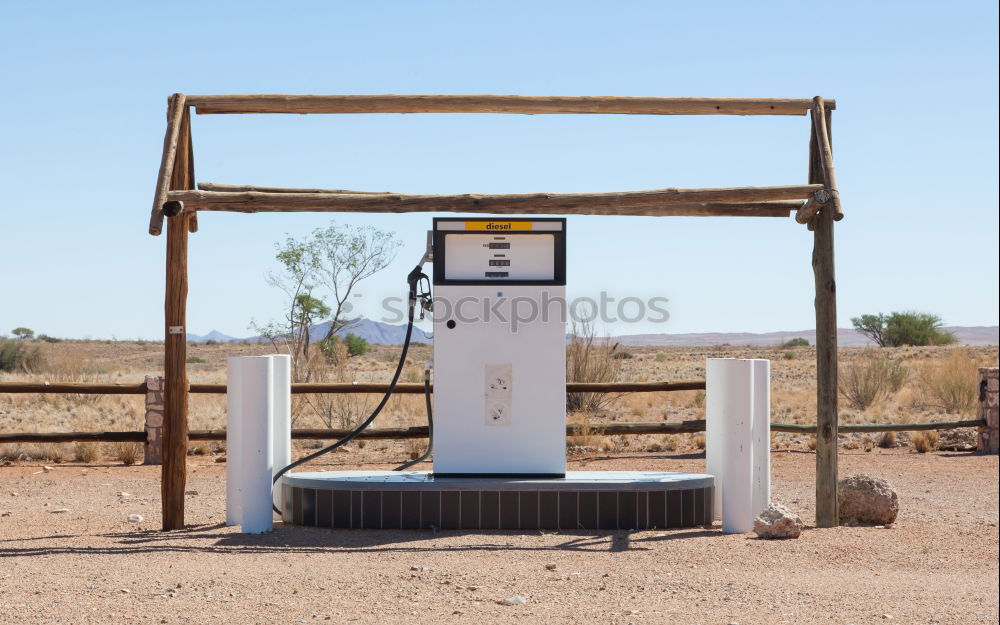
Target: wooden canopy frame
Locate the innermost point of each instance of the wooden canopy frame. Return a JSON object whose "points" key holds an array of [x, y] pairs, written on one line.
{"points": [[815, 204]]}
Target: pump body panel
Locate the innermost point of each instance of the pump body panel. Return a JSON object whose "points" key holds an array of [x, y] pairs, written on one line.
{"points": [[499, 348]]}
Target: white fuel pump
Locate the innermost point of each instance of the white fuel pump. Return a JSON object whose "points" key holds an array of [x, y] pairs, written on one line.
{"points": [[499, 347]]}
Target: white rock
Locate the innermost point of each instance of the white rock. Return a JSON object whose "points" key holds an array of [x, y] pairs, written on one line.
{"points": [[515, 600], [60, 510], [866, 500], [551, 566], [124, 494], [46, 468], [135, 518], [777, 521]]}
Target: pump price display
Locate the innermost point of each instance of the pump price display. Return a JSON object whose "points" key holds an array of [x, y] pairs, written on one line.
{"points": [[499, 256]]}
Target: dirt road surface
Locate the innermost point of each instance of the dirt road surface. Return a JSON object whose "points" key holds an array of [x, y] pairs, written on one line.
{"points": [[68, 554]]}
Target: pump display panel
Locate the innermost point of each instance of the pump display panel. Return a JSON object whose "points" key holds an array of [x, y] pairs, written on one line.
{"points": [[515, 251]]}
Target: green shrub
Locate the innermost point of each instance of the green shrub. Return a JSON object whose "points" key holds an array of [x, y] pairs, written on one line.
{"points": [[23, 333], [16, 356], [903, 328], [356, 345], [195, 360], [796, 342], [49, 339]]}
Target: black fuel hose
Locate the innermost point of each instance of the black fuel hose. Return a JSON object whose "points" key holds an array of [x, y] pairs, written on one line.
{"points": [[413, 279]]}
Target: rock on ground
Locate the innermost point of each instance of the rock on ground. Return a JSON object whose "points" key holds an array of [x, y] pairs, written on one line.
{"points": [[865, 499], [777, 521], [963, 439]]}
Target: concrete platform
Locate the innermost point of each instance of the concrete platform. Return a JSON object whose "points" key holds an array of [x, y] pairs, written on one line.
{"points": [[583, 500]]}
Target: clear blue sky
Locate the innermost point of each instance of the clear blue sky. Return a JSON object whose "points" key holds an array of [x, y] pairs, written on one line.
{"points": [[915, 141]]}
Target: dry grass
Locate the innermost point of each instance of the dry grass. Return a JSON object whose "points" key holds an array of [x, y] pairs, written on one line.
{"points": [[127, 453], [590, 359], [924, 442], [871, 377], [887, 440], [86, 451], [951, 383], [937, 373]]}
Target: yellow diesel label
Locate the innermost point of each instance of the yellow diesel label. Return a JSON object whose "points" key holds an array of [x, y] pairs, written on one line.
{"points": [[497, 226]]}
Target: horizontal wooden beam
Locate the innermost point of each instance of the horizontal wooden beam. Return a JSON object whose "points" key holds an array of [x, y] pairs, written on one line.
{"points": [[507, 104], [880, 427], [597, 429], [812, 206], [86, 388], [80, 388], [417, 388], [678, 202], [239, 188], [72, 437]]}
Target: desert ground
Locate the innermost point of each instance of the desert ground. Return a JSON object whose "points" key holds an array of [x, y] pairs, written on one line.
{"points": [[69, 554]]}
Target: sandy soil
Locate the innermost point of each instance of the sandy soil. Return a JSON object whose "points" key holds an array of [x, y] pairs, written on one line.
{"points": [[937, 564]]}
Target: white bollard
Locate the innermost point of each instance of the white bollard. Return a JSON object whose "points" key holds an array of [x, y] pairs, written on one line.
{"points": [[761, 427], [282, 419], [737, 449], [259, 400], [728, 445], [234, 395]]}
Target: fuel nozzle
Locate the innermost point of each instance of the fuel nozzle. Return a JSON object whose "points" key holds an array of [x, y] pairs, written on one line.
{"points": [[420, 284], [420, 289]]}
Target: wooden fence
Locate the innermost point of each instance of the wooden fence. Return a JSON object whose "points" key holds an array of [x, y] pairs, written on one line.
{"points": [[598, 429]]}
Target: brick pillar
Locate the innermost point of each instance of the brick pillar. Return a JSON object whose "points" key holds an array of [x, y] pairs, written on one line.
{"points": [[154, 420], [988, 437]]}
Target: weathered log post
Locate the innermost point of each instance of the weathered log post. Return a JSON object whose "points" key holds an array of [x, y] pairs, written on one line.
{"points": [[988, 436], [821, 170], [175, 395]]}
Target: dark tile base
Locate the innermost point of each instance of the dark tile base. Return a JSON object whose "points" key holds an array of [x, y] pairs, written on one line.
{"points": [[527, 509]]}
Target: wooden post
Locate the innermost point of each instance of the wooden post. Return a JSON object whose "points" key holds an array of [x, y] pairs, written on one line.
{"points": [[175, 393], [827, 513], [175, 112]]}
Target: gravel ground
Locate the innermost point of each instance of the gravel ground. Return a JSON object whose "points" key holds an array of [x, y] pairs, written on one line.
{"points": [[89, 564]]}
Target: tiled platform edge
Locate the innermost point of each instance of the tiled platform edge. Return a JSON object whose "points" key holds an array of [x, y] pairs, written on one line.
{"points": [[516, 506]]}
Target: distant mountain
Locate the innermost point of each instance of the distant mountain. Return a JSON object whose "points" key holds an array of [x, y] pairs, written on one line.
{"points": [[846, 337], [375, 332], [378, 333], [214, 335]]}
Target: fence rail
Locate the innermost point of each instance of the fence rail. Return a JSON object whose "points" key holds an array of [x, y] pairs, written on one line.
{"points": [[84, 388], [598, 429]]}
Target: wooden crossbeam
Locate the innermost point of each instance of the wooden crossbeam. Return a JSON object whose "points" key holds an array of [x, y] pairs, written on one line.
{"points": [[757, 201], [511, 104]]}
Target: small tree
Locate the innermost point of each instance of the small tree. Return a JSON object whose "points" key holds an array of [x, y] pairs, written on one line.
{"points": [[356, 345], [903, 328], [913, 328], [325, 266], [872, 326], [23, 333]]}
